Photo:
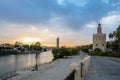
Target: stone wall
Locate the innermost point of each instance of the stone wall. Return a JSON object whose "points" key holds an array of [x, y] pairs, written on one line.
{"points": [[80, 68]]}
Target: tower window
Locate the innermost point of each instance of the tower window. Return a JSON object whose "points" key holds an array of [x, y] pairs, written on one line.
{"points": [[103, 44], [96, 45]]}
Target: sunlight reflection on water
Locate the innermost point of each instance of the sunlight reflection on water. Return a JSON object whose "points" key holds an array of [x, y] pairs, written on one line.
{"points": [[19, 61]]}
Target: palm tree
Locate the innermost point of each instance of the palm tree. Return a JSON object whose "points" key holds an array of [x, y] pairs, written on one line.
{"points": [[114, 33], [118, 33], [110, 36]]}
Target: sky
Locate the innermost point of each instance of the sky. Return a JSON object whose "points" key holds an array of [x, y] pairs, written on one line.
{"points": [[73, 21]]}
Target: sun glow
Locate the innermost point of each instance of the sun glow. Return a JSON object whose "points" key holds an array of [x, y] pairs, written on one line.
{"points": [[31, 40]]}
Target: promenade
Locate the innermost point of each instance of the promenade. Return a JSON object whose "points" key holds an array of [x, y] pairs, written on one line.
{"points": [[104, 68], [57, 70]]}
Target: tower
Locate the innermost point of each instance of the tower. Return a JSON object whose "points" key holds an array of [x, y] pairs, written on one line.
{"points": [[57, 42], [99, 39], [99, 29]]}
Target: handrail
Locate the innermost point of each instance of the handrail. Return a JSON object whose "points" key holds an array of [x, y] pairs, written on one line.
{"points": [[10, 74]]}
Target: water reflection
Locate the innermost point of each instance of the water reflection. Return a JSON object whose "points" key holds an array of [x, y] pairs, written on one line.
{"points": [[18, 61]]}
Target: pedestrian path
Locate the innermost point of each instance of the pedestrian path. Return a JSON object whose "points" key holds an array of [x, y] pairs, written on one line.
{"points": [[57, 70]]}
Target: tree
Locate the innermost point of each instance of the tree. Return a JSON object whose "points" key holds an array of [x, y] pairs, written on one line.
{"points": [[60, 52], [19, 46], [16, 44], [37, 46], [118, 33], [26, 46], [110, 36], [74, 51], [63, 52], [86, 48], [115, 46], [55, 52], [97, 51], [114, 33]]}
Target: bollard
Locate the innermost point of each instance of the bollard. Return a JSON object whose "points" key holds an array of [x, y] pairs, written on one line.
{"points": [[81, 69]]}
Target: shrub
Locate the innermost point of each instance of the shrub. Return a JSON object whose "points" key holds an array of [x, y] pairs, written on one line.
{"points": [[55, 52], [73, 51], [97, 51]]}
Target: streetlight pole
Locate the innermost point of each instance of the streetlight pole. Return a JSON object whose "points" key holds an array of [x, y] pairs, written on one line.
{"points": [[36, 65]]}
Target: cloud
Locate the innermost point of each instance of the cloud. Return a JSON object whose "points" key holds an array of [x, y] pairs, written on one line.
{"points": [[80, 3], [74, 13], [74, 21], [106, 1], [91, 25], [112, 19], [60, 2]]}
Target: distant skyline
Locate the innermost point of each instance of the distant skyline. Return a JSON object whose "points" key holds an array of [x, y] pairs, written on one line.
{"points": [[73, 21]]}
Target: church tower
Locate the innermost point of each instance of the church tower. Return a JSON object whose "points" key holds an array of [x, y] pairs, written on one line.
{"points": [[99, 39]]}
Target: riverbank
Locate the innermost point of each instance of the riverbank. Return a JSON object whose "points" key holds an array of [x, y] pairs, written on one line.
{"points": [[58, 69], [14, 52]]}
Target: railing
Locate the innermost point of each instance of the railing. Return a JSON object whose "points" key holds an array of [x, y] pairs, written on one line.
{"points": [[7, 75], [70, 76], [10, 74]]}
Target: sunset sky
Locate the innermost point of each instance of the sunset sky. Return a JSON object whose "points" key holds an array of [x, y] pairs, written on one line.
{"points": [[73, 21]]}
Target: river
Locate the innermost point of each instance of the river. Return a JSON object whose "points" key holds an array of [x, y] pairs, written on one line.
{"points": [[19, 61]]}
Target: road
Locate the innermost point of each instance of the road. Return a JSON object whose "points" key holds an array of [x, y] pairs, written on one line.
{"points": [[103, 68]]}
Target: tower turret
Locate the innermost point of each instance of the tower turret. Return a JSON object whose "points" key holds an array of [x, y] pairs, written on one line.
{"points": [[99, 29]]}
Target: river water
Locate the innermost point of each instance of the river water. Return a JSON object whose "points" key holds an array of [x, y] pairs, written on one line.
{"points": [[19, 61]]}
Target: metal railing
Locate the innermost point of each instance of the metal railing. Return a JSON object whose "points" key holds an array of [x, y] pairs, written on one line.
{"points": [[7, 75], [10, 74]]}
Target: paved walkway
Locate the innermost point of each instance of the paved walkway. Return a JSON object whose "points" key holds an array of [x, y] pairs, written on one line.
{"points": [[57, 70], [103, 68]]}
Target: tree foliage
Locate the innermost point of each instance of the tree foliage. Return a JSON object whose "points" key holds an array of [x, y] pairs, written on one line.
{"points": [[74, 51], [118, 33], [55, 52], [97, 51], [115, 44], [110, 36], [37, 46], [64, 52], [86, 48]]}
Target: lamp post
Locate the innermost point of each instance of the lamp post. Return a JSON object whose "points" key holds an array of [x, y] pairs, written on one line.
{"points": [[36, 65]]}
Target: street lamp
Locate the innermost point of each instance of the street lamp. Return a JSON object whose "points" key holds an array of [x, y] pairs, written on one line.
{"points": [[36, 65]]}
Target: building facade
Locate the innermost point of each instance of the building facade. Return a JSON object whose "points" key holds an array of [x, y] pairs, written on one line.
{"points": [[99, 39]]}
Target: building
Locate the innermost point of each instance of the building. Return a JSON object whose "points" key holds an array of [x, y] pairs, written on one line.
{"points": [[57, 42], [99, 39]]}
